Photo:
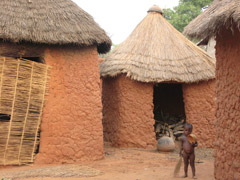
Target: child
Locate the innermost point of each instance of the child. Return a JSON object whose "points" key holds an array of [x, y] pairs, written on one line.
{"points": [[188, 143]]}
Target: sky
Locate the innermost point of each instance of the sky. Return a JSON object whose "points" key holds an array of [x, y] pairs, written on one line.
{"points": [[119, 17]]}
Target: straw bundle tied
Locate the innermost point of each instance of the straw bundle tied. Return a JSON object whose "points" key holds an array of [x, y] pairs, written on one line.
{"points": [[156, 52], [177, 167], [23, 85], [50, 22], [220, 13]]}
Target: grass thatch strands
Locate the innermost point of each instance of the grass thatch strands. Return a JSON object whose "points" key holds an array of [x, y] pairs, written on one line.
{"points": [[219, 13], [50, 22], [27, 110], [177, 167], [36, 140], [156, 52], [23, 87], [11, 120]]}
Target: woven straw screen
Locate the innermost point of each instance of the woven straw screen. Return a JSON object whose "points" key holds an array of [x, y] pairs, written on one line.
{"points": [[22, 90]]}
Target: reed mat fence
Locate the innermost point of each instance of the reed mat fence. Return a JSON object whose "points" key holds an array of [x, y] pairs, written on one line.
{"points": [[23, 85]]}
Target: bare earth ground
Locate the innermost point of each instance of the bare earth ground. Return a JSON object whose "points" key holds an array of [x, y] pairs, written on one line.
{"points": [[118, 164]]}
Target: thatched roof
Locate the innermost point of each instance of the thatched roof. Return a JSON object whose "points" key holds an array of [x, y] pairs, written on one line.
{"points": [[219, 13], [156, 52], [50, 22]]}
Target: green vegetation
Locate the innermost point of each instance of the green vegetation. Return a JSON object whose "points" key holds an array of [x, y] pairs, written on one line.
{"points": [[186, 11]]}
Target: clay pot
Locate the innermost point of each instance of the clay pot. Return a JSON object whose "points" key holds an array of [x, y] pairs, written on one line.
{"points": [[165, 144]]}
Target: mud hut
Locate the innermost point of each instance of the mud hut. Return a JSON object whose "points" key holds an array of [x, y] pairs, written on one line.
{"points": [[60, 35], [222, 19], [208, 44], [156, 73]]}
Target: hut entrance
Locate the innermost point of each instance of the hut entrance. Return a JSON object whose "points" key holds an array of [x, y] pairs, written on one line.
{"points": [[22, 91], [35, 59], [169, 112]]}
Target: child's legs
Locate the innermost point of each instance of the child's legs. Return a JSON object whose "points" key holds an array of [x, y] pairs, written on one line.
{"points": [[186, 162], [192, 163]]}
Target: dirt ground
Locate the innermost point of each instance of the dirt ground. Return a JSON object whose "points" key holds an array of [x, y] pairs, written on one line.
{"points": [[118, 164]]}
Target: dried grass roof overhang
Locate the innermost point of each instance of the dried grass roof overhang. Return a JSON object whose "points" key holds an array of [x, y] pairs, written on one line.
{"points": [[156, 52], [220, 13], [55, 22]]}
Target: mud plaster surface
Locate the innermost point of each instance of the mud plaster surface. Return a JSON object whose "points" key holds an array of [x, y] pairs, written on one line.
{"points": [[227, 164], [128, 112], [200, 103], [71, 128]]}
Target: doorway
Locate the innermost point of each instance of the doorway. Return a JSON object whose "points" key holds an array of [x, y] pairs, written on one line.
{"points": [[169, 111]]}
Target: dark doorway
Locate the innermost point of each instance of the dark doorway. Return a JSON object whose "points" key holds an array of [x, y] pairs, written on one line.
{"points": [[169, 112], [35, 59]]}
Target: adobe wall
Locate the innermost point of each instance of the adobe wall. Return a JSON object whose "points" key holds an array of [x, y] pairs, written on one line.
{"points": [[199, 101], [227, 161], [71, 128], [128, 113]]}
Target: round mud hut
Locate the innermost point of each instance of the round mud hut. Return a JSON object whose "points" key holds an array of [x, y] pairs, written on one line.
{"points": [[64, 38], [155, 81], [222, 19]]}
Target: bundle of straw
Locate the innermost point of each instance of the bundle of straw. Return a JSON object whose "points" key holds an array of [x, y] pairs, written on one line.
{"points": [[177, 167]]}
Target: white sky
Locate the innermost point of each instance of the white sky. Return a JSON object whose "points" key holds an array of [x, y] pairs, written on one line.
{"points": [[119, 17]]}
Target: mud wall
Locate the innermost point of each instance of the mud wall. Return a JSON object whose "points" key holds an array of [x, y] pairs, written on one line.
{"points": [[128, 113], [71, 128], [199, 101], [227, 161]]}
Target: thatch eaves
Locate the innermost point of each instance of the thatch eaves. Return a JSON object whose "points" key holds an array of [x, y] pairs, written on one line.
{"points": [[220, 13], [55, 22], [156, 52]]}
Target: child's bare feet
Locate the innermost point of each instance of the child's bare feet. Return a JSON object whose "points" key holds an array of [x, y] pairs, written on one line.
{"points": [[194, 177], [185, 176]]}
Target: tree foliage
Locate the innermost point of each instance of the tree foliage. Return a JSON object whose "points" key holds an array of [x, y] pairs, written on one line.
{"points": [[186, 11]]}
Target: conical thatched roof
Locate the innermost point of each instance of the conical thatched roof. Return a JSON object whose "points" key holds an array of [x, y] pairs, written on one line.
{"points": [[50, 22], [219, 13], [156, 52]]}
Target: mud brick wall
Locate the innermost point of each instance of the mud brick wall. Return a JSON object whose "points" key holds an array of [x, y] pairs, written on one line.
{"points": [[227, 162], [128, 113], [199, 102], [71, 128]]}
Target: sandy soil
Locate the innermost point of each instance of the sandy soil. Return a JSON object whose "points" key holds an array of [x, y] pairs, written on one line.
{"points": [[118, 164]]}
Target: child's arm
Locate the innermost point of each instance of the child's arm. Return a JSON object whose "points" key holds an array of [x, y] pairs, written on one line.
{"points": [[181, 147], [196, 144]]}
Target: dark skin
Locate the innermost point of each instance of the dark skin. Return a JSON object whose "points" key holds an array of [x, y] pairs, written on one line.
{"points": [[187, 151]]}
